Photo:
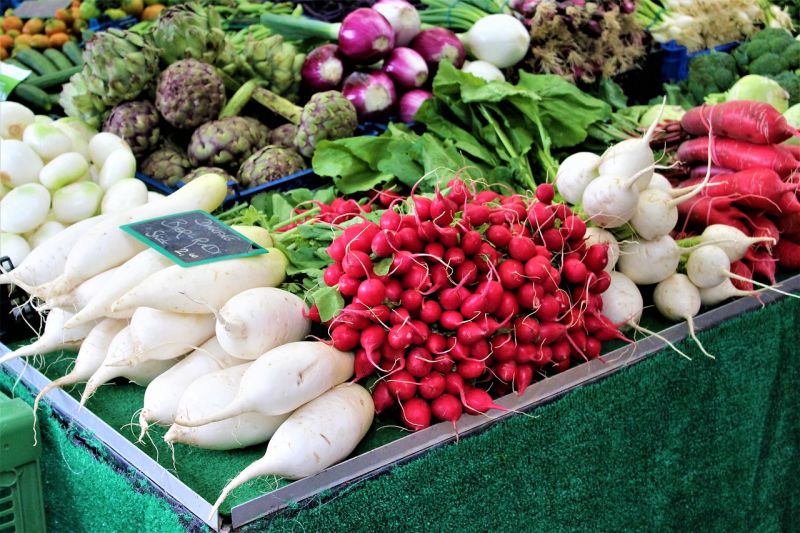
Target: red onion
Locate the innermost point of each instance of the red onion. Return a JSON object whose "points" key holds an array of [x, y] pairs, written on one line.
{"points": [[323, 69], [410, 103], [437, 44], [372, 93], [365, 36], [406, 67], [403, 17]]}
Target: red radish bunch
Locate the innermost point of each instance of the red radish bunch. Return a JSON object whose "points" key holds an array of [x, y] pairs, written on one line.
{"points": [[754, 183], [452, 296]]}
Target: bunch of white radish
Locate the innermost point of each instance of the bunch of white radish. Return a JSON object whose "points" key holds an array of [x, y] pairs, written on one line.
{"points": [[56, 173]]}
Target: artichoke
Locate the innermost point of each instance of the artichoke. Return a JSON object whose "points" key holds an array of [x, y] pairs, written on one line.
{"points": [[167, 165], [78, 102], [283, 136], [118, 65], [189, 31], [275, 62], [189, 93], [327, 115], [226, 142], [136, 123], [268, 164]]}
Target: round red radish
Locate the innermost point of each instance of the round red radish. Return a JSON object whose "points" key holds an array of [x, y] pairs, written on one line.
{"points": [[381, 397], [432, 385], [409, 240], [402, 385], [383, 244], [390, 220], [596, 258], [508, 307], [450, 320], [443, 364], [574, 271], [357, 264], [526, 329], [416, 414], [476, 214], [523, 376], [454, 383], [336, 250], [371, 292], [499, 235], [344, 338], [447, 407], [521, 248], [332, 274], [505, 371], [512, 274], [545, 193], [422, 207], [471, 242], [503, 347]]}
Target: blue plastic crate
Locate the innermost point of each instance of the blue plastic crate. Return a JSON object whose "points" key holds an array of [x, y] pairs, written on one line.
{"points": [[104, 23], [8, 4], [675, 67], [305, 178]]}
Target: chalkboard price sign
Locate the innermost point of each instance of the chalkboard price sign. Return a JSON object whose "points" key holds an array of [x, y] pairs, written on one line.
{"points": [[193, 238]]}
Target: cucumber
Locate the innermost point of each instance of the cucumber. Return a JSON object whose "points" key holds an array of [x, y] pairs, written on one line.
{"points": [[58, 59], [20, 64], [51, 80], [73, 52], [34, 96], [36, 61]]}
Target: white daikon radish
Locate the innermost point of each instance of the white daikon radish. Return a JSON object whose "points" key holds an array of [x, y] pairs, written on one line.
{"points": [[164, 393], [125, 278], [63, 170], [204, 288], [46, 140], [205, 193], [24, 208], [574, 175], [257, 320], [316, 436], [716, 295], [90, 356], [163, 335], [19, 164], [49, 229], [153, 196], [283, 379], [46, 262], [15, 247], [123, 195], [102, 145], [141, 374], [77, 201], [209, 394], [14, 118], [54, 337], [77, 299], [649, 262], [119, 165], [676, 298]]}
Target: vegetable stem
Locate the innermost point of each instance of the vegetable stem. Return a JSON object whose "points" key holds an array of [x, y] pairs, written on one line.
{"points": [[239, 100], [278, 105], [299, 28], [295, 218]]}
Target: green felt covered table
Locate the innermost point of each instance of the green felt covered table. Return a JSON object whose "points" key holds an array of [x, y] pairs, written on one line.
{"points": [[664, 444]]}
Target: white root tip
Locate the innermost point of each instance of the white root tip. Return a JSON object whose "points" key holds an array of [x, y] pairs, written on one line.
{"points": [[746, 280], [171, 436], [252, 471], [692, 333], [642, 329], [58, 383], [143, 414], [232, 409]]}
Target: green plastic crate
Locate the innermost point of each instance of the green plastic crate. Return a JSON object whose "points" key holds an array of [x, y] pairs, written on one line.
{"points": [[21, 503]]}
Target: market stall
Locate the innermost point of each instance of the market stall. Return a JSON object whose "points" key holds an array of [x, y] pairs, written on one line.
{"points": [[265, 262]]}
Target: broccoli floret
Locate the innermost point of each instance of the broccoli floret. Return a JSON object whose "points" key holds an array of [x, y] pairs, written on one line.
{"points": [[711, 73], [772, 34], [767, 65], [791, 57], [791, 84]]}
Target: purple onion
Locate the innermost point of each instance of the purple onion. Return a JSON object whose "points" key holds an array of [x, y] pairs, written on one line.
{"points": [[438, 44], [372, 93], [323, 69], [403, 17], [410, 104], [406, 68], [365, 36], [627, 7]]}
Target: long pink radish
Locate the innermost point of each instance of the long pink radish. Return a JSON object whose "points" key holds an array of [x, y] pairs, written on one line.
{"points": [[738, 155], [54, 337], [46, 262], [210, 393], [106, 246], [164, 393], [283, 379], [141, 374], [204, 288], [743, 120], [90, 356], [316, 436]]}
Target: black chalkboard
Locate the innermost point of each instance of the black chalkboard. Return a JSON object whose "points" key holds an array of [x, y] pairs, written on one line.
{"points": [[193, 238]]}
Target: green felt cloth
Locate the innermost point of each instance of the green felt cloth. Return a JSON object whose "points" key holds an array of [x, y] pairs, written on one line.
{"points": [[666, 443]]}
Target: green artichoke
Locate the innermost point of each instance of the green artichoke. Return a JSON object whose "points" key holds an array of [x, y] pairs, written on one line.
{"points": [[118, 65], [189, 31], [283, 136], [226, 142], [327, 115], [137, 123], [268, 164], [167, 165], [189, 93], [275, 62], [78, 102]]}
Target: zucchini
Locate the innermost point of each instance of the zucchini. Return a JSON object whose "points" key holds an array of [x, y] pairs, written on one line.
{"points": [[73, 52], [36, 61], [51, 80], [58, 59], [20, 64], [34, 96]]}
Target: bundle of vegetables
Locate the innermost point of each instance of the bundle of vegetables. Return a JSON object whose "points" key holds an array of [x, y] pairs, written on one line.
{"points": [[708, 23], [754, 186], [494, 131], [56, 174], [390, 33], [581, 41], [48, 71]]}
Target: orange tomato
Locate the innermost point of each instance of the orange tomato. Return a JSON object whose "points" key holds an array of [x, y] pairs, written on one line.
{"points": [[57, 40], [12, 23], [40, 41], [55, 26], [6, 41], [23, 40], [65, 15], [3, 54], [152, 12], [33, 26]]}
